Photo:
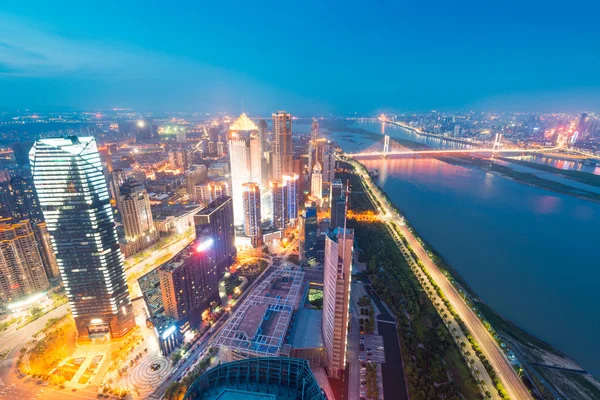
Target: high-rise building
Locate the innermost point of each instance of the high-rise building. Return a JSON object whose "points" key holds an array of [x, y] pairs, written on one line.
{"points": [[336, 215], [21, 269], [21, 152], [337, 271], [292, 183], [263, 131], [189, 282], [314, 135], [456, 132], [316, 183], [246, 161], [19, 201], [144, 130], [209, 192], [181, 134], [280, 210], [328, 166], [73, 195], [252, 215], [137, 217], [42, 237], [308, 235], [282, 144], [193, 177], [214, 224]]}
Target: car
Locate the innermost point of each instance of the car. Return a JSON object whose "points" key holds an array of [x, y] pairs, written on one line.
{"points": [[379, 347], [363, 382], [368, 349], [363, 393], [369, 353]]}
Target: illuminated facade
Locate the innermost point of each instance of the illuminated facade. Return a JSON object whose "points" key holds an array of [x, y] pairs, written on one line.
{"points": [[208, 193], [316, 182], [22, 272], [292, 182], [282, 145], [337, 272], [74, 198], [246, 161], [280, 209], [336, 204], [136, 215], [252, 217]]}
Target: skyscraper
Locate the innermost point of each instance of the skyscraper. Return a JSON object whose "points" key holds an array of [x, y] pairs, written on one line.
{"points": [[337, 271], [263, 139], [280, 211], [137, 217], [214, 224], [21, 152], [292, 182], [328, 166], [316, 183], [252, 215], [282, 144], [21, 270], [308, 235], [73, 195], [314, 135], [246, 161], [336, 214]]}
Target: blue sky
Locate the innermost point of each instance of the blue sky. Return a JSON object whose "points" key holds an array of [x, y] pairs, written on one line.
{"points": [[310, 57]]}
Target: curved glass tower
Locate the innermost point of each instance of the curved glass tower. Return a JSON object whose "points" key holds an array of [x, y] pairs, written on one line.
{"points": [[73, 195]]}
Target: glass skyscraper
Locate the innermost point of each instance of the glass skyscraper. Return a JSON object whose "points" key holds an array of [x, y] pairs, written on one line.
{"points": [[73, 195]]}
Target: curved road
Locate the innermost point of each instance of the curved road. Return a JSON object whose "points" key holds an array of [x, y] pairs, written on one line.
{"points": [[507, 375]]}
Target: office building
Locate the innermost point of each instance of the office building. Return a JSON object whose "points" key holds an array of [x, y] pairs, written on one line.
{"points": [[22, 272], [73, 195], [279, 201], [308, 235], [337, 271], [189, 282], [328, 166], [314, 135], [282, 145], [252, 215], [337, 211], [246, 161], [136, 216], [292, 183], [316, 182], [263, 139], [214, 224]]}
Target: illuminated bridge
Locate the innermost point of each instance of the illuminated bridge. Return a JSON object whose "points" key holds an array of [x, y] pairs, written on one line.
{"points": [[268, 378], [444, 151]]}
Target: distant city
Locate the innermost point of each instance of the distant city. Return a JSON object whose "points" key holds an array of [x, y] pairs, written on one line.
{"points": [[197, 256]]}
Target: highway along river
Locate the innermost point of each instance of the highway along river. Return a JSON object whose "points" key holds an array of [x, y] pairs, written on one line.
{"points": [[529, 253]]}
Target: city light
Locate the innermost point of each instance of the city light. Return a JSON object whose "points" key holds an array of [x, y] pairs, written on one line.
{"points": [[168, 332], [204, 245], [26, 302]]}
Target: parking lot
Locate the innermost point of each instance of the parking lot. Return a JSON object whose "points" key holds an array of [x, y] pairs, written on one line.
{"points": [[371, 348]]}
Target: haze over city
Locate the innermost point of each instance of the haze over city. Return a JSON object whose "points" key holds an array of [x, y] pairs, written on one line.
{"points": [[317, 201]]}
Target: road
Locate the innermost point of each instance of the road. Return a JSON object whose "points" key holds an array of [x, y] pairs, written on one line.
{"points": [[490, 348]]}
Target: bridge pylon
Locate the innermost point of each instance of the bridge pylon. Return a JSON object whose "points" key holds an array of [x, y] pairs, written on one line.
{"points": [[386, 146]]}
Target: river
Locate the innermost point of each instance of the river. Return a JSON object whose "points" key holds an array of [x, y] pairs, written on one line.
{"points": [[528, 252]]}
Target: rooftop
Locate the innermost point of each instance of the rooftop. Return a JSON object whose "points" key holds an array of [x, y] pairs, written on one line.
{"points": [[259, 326], [306, 331]]}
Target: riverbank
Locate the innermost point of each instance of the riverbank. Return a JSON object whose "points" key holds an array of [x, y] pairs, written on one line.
{"points": [[541, 362], [433, 363]]}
